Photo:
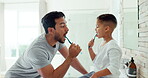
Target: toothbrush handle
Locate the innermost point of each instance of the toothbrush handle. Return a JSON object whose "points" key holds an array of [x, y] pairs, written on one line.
{"points": [[69, 40]]}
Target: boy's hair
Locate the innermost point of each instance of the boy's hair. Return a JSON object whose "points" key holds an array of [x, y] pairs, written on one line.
{"points": [[49, 19], [108, 18]]}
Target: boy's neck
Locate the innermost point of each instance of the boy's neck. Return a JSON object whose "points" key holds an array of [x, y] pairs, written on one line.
{"points": [[107, 39]]}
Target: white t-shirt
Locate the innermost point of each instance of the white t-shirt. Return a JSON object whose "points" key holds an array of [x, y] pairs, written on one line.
{"points": [[39, 54], [108, 56]]}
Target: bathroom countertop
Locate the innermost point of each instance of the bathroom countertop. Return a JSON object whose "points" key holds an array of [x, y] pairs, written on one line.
{"points": [[123, 73]]}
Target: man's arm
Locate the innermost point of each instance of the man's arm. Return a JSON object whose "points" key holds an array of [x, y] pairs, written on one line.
{"points": [[49, 72], [75, 63], [101, 73]]}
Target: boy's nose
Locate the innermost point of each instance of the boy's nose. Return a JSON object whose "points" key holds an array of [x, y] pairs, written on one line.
{"points": [[96, 29]]}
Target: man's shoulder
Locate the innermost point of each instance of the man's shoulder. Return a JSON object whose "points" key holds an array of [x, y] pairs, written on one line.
{"points": [[39, 41]]}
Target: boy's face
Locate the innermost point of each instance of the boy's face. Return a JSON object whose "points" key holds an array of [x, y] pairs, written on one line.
{"points": [[60, 30], [100, 29]]}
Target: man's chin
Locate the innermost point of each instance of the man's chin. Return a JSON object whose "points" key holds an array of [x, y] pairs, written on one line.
{"points": [[62, 41]]}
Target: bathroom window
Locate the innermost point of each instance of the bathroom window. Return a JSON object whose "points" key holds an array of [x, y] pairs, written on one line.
{"points": [[21, 27]]}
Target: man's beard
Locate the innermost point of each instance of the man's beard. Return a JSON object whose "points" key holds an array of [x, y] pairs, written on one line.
{"points": [[58, 38]]}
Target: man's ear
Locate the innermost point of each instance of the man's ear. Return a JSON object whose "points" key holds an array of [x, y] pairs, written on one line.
{"points": [[50, 30]]}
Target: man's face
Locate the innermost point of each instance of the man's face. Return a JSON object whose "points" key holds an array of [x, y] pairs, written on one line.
{"points": [[60, 30], [100, 29]]}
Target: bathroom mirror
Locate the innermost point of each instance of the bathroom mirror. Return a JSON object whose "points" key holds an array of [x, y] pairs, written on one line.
{"points": [[130, 24]]}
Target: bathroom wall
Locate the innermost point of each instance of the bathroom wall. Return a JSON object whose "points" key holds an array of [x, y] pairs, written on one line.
{"points": [[141, 53]]}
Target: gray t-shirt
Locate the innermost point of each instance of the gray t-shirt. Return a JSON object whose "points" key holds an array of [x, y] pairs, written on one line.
{"points": [[39, 54]]}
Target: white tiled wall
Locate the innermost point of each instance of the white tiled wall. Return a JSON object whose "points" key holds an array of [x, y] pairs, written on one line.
{"points": [[141, 55]]}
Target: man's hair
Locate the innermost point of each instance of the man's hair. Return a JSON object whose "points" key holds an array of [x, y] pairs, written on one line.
{"points": [[108, 18], [49, 19]]}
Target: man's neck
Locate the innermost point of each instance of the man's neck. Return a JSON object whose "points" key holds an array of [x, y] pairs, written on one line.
{"points": [[50, 39]]}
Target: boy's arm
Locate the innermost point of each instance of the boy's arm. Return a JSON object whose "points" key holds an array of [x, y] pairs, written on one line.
{"points": [[114, 57], [75, 63], [91, 52]]}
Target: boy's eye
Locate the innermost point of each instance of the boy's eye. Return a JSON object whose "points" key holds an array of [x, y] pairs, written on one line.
{"points": [[97, 28]]}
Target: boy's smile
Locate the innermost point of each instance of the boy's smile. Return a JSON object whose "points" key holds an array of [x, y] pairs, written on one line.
{"points": [[100, 29]]}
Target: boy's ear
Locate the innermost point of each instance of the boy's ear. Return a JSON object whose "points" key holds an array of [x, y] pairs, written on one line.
{"points": [[107, 28]]}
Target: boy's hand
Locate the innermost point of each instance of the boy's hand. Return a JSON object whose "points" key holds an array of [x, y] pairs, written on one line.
{"points": [[91, 43], [74, 50]]}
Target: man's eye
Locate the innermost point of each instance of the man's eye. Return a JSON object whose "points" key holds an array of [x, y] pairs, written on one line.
{"points": [[62, 26]]}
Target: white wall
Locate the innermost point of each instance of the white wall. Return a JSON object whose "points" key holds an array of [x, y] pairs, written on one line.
{"points": [[18, 1], [2, 63], [77, 4]]}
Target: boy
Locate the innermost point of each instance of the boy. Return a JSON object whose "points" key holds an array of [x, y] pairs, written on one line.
{"points": [[107, 59]]}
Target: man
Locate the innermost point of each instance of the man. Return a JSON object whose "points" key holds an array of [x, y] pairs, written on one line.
{"points": [[36, 61]]}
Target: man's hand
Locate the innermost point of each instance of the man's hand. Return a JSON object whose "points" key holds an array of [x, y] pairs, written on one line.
{"points": [[74, 50], [93, 76], [91, 43]]}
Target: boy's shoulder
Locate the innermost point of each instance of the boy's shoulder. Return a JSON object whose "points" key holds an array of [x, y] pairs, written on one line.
{"points": [[113, 44]]}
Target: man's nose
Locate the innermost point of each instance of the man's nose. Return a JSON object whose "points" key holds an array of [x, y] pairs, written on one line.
{"points": [[67, 28]]}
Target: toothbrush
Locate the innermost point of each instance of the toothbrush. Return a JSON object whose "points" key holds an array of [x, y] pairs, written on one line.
{"points": [[68, 40], [95, 37], [93, 40]]}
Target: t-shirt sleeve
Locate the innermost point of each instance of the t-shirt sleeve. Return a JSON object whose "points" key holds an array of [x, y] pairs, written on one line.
{"points": [[38, 58], [61, 45], [114, 58]]}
